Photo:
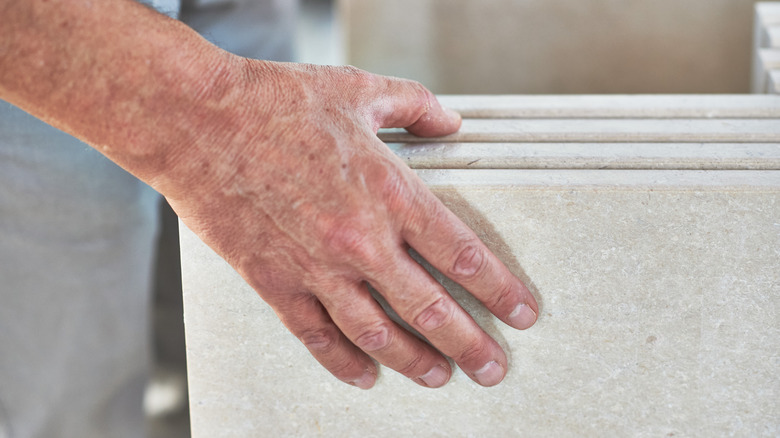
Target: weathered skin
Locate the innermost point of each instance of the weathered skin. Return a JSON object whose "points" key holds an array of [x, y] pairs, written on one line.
{"points": [[277, 167]]}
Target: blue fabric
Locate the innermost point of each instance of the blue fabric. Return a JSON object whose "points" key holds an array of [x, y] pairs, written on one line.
{"points": [[77, 235], [77, 240]]}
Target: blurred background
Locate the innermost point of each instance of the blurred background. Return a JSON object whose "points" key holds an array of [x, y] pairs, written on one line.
{"points": [[486, 47], [552, 46]]}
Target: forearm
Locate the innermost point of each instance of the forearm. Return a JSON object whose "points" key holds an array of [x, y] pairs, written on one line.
{"points": [[114, 73]]}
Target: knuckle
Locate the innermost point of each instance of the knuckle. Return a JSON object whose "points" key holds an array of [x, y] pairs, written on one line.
{"points": [[392, 184], [505, 296], [473, 353], [342, 369], [436, 315], [361, 79], [409, 368], [274, 280], [424, 95], [346, 239], [350, 69], [396, 191], [322, 340], [425, 213], [470, 261], [374, 339]]}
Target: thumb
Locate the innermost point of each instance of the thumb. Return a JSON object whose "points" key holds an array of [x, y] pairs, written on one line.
{"points": [[410, 105]]}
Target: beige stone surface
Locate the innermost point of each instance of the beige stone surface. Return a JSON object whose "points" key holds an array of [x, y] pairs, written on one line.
{"points": [[659, 317], [690, 156], [605, 106], [694, 132], [605, 130], [555, 46]]}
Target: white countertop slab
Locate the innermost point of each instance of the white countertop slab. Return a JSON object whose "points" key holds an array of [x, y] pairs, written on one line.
{"points": [[659, 315]]}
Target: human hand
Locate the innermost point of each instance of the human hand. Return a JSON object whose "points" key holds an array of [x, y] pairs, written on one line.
{"points": [[310, 207]]}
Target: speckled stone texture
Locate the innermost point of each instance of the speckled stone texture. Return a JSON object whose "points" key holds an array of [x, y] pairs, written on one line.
{"points": [[658, 289]]}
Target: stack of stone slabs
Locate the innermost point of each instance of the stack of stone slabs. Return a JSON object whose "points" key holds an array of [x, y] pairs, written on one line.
{"points": [[647, 227], [766, 48]]}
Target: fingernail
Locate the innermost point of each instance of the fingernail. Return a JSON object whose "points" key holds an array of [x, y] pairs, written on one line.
{"points": [[366, 381], [436, 377], [490, 374], [522, 317]]}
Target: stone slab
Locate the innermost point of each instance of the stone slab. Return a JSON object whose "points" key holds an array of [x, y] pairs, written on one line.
{"points": [[768, 60], [691, 156], [766, 35], [584, 106], [604, 131], [609, 119], [659, 294], [590, 131]]}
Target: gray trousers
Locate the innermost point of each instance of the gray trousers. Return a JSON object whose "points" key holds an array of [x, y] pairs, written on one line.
{"points": [[77, 240]]}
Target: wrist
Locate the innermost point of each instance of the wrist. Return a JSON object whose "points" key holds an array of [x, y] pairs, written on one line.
{"points": [[134, 84]]}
